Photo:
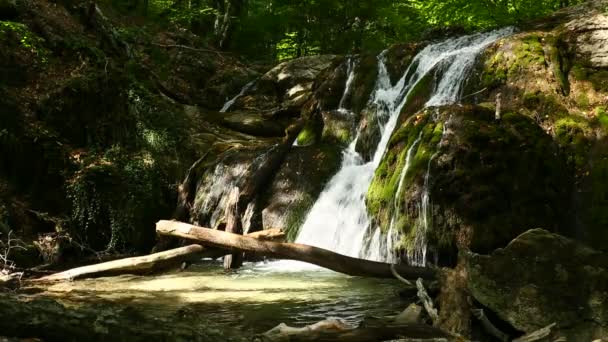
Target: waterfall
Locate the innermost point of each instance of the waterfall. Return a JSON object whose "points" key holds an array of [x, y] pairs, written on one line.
{"points": [[338, 220], [350, 71], [379, 245], [417, 255], [230, 102]]}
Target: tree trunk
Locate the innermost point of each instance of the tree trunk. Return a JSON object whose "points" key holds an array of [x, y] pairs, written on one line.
{"points": [[318, 256], [135, 265], [155, 262]]}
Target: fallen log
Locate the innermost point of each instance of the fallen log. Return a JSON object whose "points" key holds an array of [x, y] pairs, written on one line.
{"points": [[135, 265], [294, 251], [156, 262], [336, 330]]}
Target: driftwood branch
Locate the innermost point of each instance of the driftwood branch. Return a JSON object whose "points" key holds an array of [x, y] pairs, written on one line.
{"points": [[178, 46], [336, 330], [157, 262], [537, 335], [318, 256], [135, 265], [427, 302]]}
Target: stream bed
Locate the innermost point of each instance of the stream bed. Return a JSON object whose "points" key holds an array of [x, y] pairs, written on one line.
{"points": [[250, 301]]}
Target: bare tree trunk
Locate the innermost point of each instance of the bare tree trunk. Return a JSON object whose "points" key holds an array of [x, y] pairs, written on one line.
{"points": [[135, 265], [294, 251], [155, 262]]}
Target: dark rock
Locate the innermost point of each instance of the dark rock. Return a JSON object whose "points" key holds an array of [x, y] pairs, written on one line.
{"points": [[8, 9], [542, 278], [297, 185]]}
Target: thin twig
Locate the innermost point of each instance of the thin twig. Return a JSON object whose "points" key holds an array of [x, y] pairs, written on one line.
{"points": [[475, 93], [185, 47]]}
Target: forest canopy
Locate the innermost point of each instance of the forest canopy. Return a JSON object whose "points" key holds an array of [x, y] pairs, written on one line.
{"points": [[282, 29]]}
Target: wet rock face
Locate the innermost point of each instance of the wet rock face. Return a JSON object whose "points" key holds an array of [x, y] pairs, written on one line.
{"points": [[297, 185], [487, 180], [288, 86], [590, 35], [542, 278]]}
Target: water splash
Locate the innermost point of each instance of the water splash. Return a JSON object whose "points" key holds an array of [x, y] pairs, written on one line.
{"points": [[230, 102], [338, 221]]}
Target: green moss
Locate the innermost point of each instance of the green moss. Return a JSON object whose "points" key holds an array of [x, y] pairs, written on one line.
{"points": [[383, 190], [26, 38], [602, 117], [307, 136], [297, 215], [597, 77], [115, 201], [571, 134], [582, 100]]}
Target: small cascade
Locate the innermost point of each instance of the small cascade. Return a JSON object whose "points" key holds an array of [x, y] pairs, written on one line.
{"points": [[350, 71], [379, 245], [417, 255], [338, 220], [230, 102]]}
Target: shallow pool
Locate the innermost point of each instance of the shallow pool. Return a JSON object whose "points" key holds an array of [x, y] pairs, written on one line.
{"points": [[249, 301]]}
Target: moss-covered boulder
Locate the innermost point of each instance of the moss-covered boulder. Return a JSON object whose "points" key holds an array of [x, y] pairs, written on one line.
{"points": [[554, 72], [483, 180], [542, 278]]}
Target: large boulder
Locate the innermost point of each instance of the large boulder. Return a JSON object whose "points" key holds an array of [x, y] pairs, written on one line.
{"points": [[555, 73], [542, 278], [286, 87], [471, 181]]}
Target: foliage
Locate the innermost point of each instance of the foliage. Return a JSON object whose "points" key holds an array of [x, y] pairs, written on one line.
{"points": [[26, 38], [284, 29], [114, 198]]}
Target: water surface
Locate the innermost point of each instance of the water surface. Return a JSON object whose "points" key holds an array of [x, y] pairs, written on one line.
{"points": [[256, 298]]}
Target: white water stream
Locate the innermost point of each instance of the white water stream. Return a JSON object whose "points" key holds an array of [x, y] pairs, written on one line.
{"points": [[338, 220], [350, 72], [230, 102]]}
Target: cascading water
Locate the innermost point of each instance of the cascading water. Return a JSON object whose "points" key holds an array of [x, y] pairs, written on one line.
{"points": [[350, 72], [230, 102], [417, 255], [338, 220]]}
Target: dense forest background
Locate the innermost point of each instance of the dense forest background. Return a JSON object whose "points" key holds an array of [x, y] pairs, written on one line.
{"points": [[283, 29]]}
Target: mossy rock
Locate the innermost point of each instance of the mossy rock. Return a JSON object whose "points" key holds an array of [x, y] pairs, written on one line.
{"points": [[116, 201], [488, 179], [542, 278]]}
